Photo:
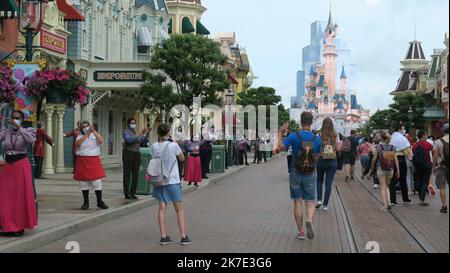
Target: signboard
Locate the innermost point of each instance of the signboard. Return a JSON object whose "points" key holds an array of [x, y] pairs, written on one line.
{"points": [[28, 105], [83, 74], [119, 76], [53, 42]]}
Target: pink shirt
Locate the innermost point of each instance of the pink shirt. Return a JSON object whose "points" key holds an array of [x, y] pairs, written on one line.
{"points": [[364, 149], [17, 142]]}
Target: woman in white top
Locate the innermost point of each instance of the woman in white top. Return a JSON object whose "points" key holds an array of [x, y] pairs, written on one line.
{"points": [[88, 167], [171, 192]]}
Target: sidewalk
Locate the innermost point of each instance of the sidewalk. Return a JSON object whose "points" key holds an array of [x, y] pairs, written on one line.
{"points": [[60, 200]]}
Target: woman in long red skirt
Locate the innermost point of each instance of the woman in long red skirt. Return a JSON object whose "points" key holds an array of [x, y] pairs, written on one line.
{"points": [[17, 199], [194, 166], [88, 167]]}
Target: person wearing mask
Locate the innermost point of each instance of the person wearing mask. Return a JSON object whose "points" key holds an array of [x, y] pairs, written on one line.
{"points": [[74, 134], [409, 165], [89, 171], [193, 172], [39, 149], [242, 151], [386, 162], [256, 146], [327, 164], [17, 198], [403, 151], [131, 157], [363, 151], [441, 170], [302, 185], [205, 156], [169, 152], [423, 165], [340, 159]]}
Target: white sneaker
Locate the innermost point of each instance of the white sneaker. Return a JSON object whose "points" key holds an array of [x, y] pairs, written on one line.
{"points": [[319, 204], [325, 208], [375, 186]]}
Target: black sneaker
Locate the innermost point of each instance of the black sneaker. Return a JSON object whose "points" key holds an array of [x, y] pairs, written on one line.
{"points": [[186, 241], [352, 178], [346, 179], [444, 209], [102, 205], [165, 241], [424, 204]]}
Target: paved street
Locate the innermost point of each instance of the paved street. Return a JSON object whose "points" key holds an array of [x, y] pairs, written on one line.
{"points": [[251, 212]]}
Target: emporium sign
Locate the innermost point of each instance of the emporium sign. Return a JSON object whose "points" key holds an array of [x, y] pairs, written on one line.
{"points": [[119, 76], [53, 42]]}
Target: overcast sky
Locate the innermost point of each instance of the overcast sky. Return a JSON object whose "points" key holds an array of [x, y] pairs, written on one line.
{"points": [[377, 32]]}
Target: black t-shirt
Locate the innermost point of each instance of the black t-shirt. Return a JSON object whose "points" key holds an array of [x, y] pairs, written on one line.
{"points": [[355, 143]]}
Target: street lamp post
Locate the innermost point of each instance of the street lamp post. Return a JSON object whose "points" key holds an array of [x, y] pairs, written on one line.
{"points": [[229, 102]]}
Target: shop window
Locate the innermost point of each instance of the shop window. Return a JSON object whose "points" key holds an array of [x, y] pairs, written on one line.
{"points": [[110, 133]]}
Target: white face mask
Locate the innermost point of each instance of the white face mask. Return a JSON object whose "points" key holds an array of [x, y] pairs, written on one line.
{"points": [[133, 126], [18, 122]]}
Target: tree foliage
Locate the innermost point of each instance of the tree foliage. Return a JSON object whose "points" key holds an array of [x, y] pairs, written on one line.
{"points": [[401, 107]]}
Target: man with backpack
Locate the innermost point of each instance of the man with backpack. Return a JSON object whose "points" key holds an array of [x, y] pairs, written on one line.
{"points": [[349, 153], [306, 149], [423, 164], [441, 170]]}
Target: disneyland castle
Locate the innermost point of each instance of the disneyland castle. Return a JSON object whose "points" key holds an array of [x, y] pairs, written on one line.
{"points": [[328, 62]]}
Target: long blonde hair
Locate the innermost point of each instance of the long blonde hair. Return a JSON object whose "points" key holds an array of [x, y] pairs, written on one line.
{"points": [[327, 132]]}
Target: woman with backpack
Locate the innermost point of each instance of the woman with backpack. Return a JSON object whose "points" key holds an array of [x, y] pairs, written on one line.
{"points": [[385, 156], [363, 151], [167, 153], [327, 164]]}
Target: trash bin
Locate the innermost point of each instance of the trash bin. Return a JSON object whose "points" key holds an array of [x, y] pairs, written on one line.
{"points": [[143, 187], [218, 159]]}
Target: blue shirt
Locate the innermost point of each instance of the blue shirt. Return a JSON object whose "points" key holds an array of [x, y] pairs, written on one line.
{"points": [[294, 141], [130, 137]]}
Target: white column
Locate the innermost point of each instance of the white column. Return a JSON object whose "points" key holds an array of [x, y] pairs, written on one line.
{"points": [[48, 160], [60, 168]]}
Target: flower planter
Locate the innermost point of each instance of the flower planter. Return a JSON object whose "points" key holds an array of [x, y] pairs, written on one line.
{"points": [[55, 96]]}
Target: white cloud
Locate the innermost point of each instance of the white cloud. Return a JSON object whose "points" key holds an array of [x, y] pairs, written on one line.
{"points": [[373, 3]]}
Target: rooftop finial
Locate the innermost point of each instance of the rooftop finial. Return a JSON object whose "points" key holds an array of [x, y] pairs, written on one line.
{"points": [[415, 30]]}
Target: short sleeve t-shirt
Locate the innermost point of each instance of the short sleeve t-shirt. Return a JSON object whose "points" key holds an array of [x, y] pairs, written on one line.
{"points": [[89, 147], [294, 141], [427, 147], [169, 159], [355, 143], [439, 147]]}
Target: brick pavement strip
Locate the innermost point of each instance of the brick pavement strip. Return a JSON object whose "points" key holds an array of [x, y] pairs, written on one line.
{"points": [[250, 212]]}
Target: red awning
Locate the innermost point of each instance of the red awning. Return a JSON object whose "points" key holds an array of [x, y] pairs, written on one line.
{"points": [[72, 14], [232, 79]]}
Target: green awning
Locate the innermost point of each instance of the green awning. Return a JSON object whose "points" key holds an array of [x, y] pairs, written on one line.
{"points": [[8, 9], [187, 26], [201, 29], [170, 26]]}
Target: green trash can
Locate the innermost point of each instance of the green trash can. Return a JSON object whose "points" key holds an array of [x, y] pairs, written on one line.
{"points": [[218, 159], [143, 187]]}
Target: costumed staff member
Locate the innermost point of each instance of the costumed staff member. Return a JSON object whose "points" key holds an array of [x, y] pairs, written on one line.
{"points": [[39, 148], [17, 199], [74, 134], [131, 157], [193, 172], [88, 167]]}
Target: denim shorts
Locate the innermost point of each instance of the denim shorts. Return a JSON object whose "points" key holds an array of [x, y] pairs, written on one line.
{"points": [[303, 187], [169, 193]]}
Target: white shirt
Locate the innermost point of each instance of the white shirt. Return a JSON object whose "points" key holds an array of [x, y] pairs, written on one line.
{"points": [[431, 152], [89, 147], [399, 141], [169, 159]]}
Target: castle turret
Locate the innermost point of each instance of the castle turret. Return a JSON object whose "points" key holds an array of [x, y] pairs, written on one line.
{"points": [[343, 81], [330, 55]]}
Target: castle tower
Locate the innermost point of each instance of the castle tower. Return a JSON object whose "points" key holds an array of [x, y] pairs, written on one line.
{"points": [[330, 55], [343, 81]]}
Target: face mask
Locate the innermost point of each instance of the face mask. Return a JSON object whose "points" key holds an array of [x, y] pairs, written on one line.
{"points": [[133, 126], [18, 122], [85, 130], [403, 132]]}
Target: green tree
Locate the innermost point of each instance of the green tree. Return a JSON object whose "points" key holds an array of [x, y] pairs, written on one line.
{"points": [[194, 65], [401, 108], [382, 119]]}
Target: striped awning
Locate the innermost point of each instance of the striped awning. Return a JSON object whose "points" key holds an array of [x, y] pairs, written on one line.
{"points": [[144, 36], [8, 9]]}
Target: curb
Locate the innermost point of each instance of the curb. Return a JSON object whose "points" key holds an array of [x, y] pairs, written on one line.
{"points": [[67, 229]]}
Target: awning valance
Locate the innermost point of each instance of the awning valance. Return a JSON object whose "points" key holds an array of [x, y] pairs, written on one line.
{"points": [[186, 26], [9, 9], [201, 29], [144, 36], [71, 13]]}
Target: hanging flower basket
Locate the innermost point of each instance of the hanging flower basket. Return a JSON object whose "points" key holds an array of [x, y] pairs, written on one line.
{"points": [[58, 87], [8, 86]]}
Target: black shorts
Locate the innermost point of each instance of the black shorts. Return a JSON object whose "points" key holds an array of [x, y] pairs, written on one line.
{"points": [[349, 158]]}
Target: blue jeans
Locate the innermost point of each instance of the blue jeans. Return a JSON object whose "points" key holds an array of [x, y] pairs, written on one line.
{"points": [[302, 187], [326, 169], [365, 161]]}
